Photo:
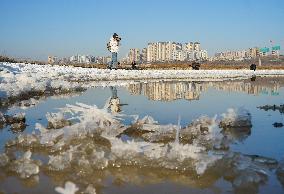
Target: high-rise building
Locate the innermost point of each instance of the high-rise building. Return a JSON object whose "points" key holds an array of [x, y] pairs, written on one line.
{"points": [[275, 53], [238, 55], [196, 46], [106, 60], [87, 59], [151, 52], [188, 47], [134, 55], [144, 55], [253, 52], [52, 59], [162, 51]]}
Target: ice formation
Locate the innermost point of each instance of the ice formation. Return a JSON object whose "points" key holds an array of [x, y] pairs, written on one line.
{"points": [[92, 141], [280, 172], [56, 120], [160, 148], [17, 121], [70, 188], [236, 118], [25, 166], [22, 79], [90, 190]]}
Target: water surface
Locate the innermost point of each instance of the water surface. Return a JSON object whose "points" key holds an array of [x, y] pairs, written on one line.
{"points": [[165, 101]]}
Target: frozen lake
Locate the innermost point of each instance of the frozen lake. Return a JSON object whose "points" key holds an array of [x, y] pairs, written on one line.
{"points": [[167, 102]]}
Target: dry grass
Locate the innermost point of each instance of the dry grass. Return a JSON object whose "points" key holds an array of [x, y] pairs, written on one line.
{"points": [[267, 63]]}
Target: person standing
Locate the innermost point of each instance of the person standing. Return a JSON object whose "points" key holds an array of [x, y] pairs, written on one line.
{"points": [[113, 47]]}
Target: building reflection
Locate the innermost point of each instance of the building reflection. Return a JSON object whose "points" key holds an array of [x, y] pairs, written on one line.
{"points": [[174, 90], [166, 91]]}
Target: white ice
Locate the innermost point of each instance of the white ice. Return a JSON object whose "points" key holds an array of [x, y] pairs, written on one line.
{"points": [[17, 78], [70, 188]]}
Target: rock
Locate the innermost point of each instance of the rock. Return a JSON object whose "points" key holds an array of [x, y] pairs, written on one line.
{"points": [[17, 118], [274, 107], [18, 127], [278, 125]]}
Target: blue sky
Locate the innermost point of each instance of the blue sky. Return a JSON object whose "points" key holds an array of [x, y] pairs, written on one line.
{"points": [[36, 29]]}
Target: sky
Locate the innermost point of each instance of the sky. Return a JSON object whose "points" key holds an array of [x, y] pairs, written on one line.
{"points": [[35, 29]]}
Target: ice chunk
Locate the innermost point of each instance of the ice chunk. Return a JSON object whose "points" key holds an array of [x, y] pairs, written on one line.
{"points": [[56, 120], [70, 188], [236, 118], [169, 156], [26, 167], [60, 162], [247, 179], [206, 160], [99, 159], [90, 190], [280, 172], [2, 119], [147, 120], [23, 140]]}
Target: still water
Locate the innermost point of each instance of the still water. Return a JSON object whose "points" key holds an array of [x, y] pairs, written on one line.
{"points": [[165, 101]]}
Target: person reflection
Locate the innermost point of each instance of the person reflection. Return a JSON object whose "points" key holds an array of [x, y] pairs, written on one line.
{"points": [[253, 78], [114, 103]]}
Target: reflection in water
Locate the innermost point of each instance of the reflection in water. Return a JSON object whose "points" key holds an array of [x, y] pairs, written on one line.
{"points": [[92, 146], [114, 103], [253, 78], [91, 150], [169, 90]]}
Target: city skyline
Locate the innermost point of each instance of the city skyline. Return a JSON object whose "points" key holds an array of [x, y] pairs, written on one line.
{"points": [[63, 28]]}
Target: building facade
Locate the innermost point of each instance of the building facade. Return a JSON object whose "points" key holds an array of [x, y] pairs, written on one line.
{"points": [[172, 51], [134, 55]]}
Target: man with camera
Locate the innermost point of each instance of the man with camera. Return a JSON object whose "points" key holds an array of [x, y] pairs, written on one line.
{"points": [[113, 47]]}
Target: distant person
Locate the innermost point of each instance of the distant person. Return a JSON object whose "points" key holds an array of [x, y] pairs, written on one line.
{"points": [[133, 65], [253, 67], [113, 47], [195, 65]]}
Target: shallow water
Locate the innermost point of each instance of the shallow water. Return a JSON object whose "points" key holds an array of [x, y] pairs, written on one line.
{"points": [[165, 102]]}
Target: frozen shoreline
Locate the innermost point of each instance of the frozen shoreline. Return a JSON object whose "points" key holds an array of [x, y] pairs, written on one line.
{"points": [[94, 74], [17, 78]]}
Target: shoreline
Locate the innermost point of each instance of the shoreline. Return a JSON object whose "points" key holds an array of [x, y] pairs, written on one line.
{"points": [[20, 78], [94, 74]]}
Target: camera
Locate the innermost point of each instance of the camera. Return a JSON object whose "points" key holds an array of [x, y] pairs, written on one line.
{"points": [[116, 37]]}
